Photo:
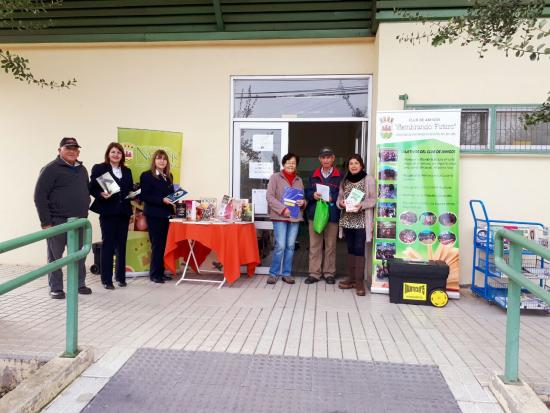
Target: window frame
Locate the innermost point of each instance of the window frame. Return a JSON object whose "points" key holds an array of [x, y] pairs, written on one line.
{"points": [[492, 147]]}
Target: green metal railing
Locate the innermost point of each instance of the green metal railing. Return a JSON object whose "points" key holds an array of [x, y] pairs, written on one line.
{"points": [[74, 254], [516, 282]]}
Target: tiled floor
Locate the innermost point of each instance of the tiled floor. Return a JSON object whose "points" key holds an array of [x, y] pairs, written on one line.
{"points": [[465, 339]]}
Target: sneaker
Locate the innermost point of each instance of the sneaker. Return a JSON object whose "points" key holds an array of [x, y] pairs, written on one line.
{"points": [[330, 279], [288, 279], [84, 290], [271, 279], [311, 280], [57, 294]]}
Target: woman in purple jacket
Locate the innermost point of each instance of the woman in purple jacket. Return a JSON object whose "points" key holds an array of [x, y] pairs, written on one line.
{"points": [[285, 224]]}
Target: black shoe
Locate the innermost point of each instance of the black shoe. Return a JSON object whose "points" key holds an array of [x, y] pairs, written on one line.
{"points": [[158, 280], [84, 290], [330, 279], [122, 283], [109, 286], [57, 294], [310, 280], [167, 278]]}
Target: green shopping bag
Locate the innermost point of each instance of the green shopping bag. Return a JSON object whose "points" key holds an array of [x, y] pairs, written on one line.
{"points": [[320, 219]]}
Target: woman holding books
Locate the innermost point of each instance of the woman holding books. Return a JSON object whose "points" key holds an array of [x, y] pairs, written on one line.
{"points": [[156, 184], [356, 199], [285, 200], [110, 183]]}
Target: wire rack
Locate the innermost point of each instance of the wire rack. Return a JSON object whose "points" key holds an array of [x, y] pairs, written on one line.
{"points": [[487, 280]]}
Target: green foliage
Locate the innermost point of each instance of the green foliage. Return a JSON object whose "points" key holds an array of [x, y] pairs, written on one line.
{"points": [[515, 27], [541, 115], [14, 64]]}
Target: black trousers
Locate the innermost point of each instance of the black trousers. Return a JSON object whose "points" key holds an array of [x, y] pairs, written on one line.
{"points": [[355, 240], [56, 246], [114, 234], [158, 231]]}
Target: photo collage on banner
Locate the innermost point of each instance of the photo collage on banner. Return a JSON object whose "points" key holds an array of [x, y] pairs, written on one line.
{"points": [[139, 145], [416, 217]]}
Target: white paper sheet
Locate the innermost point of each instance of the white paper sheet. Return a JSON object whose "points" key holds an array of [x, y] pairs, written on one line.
{"points": [[262, 143], [259, 200], [260, 170], [324, 190]]}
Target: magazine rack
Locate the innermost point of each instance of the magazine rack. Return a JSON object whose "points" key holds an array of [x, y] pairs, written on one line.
{"points": [[487, 281]]}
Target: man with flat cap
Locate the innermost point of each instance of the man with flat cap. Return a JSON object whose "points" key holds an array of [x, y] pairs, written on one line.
{"points": [[322, 262], [62, 192]]}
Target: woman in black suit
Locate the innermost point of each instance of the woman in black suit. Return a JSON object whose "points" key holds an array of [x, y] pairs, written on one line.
{"points": [[156, 184], [114, 214]]}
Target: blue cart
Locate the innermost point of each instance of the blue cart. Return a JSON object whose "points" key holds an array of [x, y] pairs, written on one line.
{"points": [[487, 281]]}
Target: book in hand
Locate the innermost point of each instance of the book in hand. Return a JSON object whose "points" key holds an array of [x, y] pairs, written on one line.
{"points": [[324, 190], [353, 200], [133, 194], [176, 196], [108, 183], [290, 198]]}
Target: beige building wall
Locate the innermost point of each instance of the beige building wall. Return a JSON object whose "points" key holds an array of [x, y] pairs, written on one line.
{"points": [[513, 187], [177, 87], [186, 87]]}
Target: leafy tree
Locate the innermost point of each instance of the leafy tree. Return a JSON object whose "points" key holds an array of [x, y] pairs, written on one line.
{"points": [[17, 65], [516, 27]]}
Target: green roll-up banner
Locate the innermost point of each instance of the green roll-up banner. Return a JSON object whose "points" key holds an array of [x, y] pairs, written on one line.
{"points": [[139, 145], [416, 217]]}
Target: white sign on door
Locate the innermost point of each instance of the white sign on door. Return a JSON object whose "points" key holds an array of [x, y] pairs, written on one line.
{"points": [[262, 143], [260, 170], [259, 200]]}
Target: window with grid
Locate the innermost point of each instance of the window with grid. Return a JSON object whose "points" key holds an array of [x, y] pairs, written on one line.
{"points": [[498, 129], [474, 129], [510, 134]]}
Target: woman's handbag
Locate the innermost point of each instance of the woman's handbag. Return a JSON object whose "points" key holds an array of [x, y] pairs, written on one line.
{"points": [[320, 219]]}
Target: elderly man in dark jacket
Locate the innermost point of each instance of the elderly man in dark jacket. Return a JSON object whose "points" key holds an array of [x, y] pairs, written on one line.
{"points": [[323, 264], [62, 192]]}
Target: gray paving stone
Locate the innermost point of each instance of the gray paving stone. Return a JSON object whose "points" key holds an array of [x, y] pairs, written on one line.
{"points": [[168, 381]]}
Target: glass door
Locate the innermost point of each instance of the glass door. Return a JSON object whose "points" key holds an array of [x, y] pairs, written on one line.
{"points": [[258, 150]]}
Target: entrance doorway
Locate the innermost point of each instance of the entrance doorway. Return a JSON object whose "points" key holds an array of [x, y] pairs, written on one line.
{"points": [[273, 115], [305, 140]]}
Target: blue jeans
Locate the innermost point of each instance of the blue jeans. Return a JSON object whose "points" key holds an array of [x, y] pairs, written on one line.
{"points": [[285, 238]]}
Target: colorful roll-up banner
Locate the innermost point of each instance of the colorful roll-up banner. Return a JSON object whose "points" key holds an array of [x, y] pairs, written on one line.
{"points": [[139, 145], [416, 217]]}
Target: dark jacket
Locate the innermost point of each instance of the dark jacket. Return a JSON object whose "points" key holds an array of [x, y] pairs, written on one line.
{"points": [[153, 190], [61, 192], [333, 182], [116, 204]]}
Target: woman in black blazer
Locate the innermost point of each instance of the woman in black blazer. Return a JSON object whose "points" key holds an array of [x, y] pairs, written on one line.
{"points": [[114, 214], [156, 184]]}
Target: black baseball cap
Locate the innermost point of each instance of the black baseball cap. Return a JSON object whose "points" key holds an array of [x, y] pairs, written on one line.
{"points": [[326, 151], [69, 142]]}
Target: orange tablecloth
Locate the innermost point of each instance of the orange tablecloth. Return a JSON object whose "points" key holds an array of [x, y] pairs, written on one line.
{"points": [[235, 245]]}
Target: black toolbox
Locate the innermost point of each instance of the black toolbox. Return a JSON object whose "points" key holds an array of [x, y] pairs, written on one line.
{"points": [[418, 282]]}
